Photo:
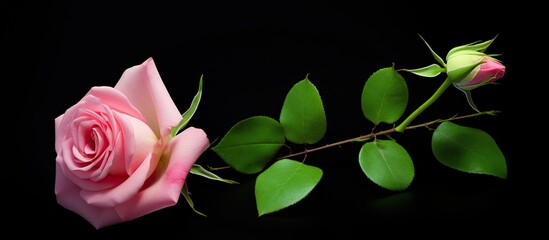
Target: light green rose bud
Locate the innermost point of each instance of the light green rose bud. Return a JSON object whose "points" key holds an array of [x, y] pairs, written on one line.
{"points": [[468, 67]]}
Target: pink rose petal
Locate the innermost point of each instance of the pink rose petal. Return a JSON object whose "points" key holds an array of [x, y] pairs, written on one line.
{"points": [[145, 90], [184, 150], [68, 196]]}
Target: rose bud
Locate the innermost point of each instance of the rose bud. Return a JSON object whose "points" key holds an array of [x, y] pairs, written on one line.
{"points": [[469, 67], [486, 70]]}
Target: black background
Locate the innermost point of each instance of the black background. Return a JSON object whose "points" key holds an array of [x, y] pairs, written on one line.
{"points": [[251, 53]]}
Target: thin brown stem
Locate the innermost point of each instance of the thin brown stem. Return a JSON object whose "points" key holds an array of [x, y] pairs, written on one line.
{"points": [[385, 132]]}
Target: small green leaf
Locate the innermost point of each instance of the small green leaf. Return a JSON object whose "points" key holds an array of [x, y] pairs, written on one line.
{"points": [[187, 115], [251, 143], [200, 171], [302, 115], [384, 96], [432, 70], [387, 164], [468, 149], [185, 192], [283, 184]]}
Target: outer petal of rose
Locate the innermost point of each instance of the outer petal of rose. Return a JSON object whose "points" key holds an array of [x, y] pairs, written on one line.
{"points": [[62, 125], [184, 150], [59, 133], [121, 193], [145, 90], [68, 196]]}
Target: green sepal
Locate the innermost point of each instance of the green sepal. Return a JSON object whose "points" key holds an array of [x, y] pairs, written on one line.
{"points": [[201, 171], [432, 70], [187, 115], [185, 192], [435, 55], [476, 46]]}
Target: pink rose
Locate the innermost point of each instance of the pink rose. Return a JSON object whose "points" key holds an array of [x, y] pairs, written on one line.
{"points": [[116, 160]]}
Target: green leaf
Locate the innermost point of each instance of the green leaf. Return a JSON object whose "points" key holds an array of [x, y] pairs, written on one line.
{"points": [[302, 115], [384, 96], [187, 115], [200, 171], [387, 164], [283, 184], [251, 143], [468, 149], [185, 192], [432, 70]]}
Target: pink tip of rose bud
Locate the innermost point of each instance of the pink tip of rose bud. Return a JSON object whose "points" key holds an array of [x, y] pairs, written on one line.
{"points": [[490, 71]]}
